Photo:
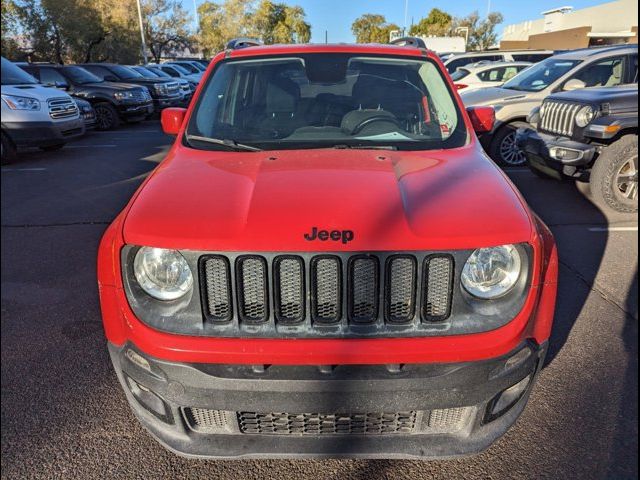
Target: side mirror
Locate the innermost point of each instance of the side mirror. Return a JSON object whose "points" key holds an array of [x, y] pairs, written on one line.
{"points": [[62, 85], [171, 120], [573, 84], [111, 78], [482, 118]]}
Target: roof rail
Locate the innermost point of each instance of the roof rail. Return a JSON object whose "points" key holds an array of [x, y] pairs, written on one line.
{"points": [[237, 43], [416, 42]]}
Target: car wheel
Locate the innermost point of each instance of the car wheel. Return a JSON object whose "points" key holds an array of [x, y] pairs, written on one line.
{"points": [[52, 148], [504, 149], [8, 152], [106, 116], [614, 177]]}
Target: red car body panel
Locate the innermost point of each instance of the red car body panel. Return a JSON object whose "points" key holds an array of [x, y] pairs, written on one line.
{"points": [[265, 201]]}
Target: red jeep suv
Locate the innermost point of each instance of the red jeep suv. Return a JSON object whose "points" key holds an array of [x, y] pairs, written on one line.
{"points": [[327, 264]]}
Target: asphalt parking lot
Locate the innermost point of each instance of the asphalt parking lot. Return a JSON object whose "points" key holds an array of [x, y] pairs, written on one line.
{"points": [[64, 414]]}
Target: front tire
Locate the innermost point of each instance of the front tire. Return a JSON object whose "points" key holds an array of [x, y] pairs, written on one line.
{"points": [[614, 176], [504, 149], [106, 116], [8, 153]]}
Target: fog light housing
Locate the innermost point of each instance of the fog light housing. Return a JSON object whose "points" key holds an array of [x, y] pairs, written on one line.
{"points": [[148, 399], [565, 154], [507, 399]]}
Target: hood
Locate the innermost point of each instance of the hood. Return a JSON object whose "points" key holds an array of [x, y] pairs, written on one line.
{"points": [[108, 86], [619, 96], [38, 91], [491, 96], [268, 201]]}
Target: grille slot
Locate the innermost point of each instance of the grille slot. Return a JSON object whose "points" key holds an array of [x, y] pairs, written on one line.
{"points": [[559, 117], [363, 290], [327, 424], [218, 288], [252, 289], [289, 289], [438, 284], [326, 290], [401, 289], [203, 420]]}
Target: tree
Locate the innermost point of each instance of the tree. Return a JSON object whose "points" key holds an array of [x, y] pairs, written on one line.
{"points": [[9, 46], [372, 28], [280, 23], [482, 34], [437, 23], [166, 27]]}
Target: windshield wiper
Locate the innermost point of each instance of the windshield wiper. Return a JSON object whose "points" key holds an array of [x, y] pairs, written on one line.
{"points": [[232, 144], [343, 146]]}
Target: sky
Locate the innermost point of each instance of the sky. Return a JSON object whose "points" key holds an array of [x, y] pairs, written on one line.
{"points": [[336, 16]]}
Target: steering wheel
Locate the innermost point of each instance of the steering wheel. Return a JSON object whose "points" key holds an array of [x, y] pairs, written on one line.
{"points": [[373, 119]]}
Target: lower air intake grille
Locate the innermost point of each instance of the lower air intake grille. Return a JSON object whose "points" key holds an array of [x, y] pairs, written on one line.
{"points": [[438, 278], [326, 424], [203, 420], [363, 278], [252, 285]]}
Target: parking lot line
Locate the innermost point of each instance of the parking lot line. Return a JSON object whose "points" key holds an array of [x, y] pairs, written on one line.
{"points": [[24, 169], [614, 229]]}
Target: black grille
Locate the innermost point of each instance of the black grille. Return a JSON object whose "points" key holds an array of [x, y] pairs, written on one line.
{"points": [[252, 289], [326, 289], [347, 294], [218, 288], [438, 280], [363, 286], [401, 289], [327, 424], [289, 289]]}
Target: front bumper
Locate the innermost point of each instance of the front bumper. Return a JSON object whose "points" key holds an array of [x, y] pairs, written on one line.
{"points": [[538, 147], [43, 134], [137, 110], [454, 409], [165, 102]]}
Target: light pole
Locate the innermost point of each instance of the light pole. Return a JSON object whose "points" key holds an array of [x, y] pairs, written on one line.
{"points": [[195, 11], [466, 35], [144, 46]]}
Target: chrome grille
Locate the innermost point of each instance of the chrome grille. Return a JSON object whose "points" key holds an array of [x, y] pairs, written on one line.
{"points": [[327, 424], [141, 95], [62, 107], [355, 293], [559, 117], [172, 88]]}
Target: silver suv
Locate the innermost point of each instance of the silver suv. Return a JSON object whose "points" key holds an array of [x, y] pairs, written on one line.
{"points": [[514, 100]]}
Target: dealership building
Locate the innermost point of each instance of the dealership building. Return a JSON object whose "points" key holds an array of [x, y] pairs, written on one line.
{"points": [[566, 28]]}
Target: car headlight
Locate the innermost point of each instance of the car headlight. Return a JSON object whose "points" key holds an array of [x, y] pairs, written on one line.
{"points": [[21, 103], [123, 95], [160, 88], [163, 274], [584, 116], [491, 272]]}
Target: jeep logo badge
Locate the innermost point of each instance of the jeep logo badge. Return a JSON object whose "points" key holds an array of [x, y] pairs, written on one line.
{"points": [[323, 235]]}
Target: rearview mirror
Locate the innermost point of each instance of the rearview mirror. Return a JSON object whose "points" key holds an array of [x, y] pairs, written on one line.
{"points": [[171, 120], [482, 118], [573, 84]]}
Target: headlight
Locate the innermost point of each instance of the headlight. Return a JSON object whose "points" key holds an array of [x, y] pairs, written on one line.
{"points": [[160, 88], [163, 274], [491, 272], [584, 116], [21, 103], [123, 95]]}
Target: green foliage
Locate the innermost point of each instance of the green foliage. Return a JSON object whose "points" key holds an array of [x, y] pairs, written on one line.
{"points": [[437, 23], [372, 28], [482, 33], [166, 27]]}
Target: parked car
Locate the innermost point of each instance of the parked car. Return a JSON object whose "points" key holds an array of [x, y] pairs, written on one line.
{"points": [[589, 135], [186, 88], [457, 60], [176, 71], [486, 74], [513, 101], [87, 113], [202, 61], [34, 115], [371, 284], [165, 93], [113, 102]]}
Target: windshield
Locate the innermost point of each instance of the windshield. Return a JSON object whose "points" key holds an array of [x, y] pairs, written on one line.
{"points": [[80, 76], [327, 100], [541, 75], [125, 73], [158, 72], [186, 66], [145, 72], [14, 75], [459, 74], [179, 68]]}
